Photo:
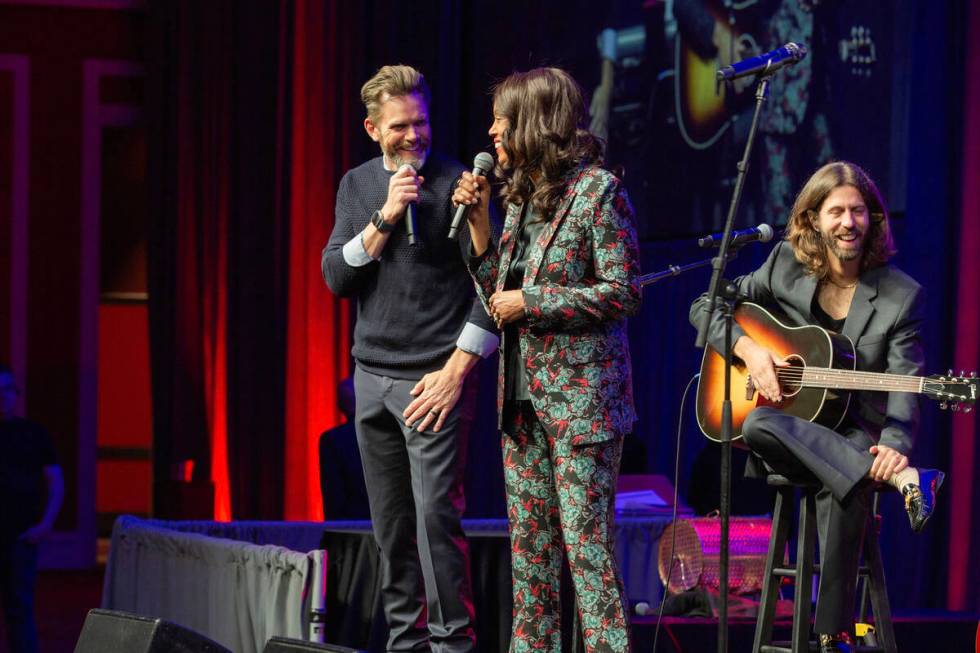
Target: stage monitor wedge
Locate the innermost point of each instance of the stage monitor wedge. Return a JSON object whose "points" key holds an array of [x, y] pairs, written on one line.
{"points": [[286, 645], [122, 632]]}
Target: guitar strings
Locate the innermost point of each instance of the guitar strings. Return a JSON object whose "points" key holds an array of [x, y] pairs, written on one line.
{"points": [[850, 379]]}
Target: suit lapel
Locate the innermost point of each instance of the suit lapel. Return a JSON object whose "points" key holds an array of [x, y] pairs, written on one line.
{"points": [[536, 256], [507, 241], [862, 306]]}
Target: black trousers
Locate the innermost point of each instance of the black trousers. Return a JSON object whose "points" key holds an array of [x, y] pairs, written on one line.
{"points": [[793, 447], [415, 491]]}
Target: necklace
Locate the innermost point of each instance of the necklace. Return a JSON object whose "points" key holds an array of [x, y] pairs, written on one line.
{"points": [[842, 287]]}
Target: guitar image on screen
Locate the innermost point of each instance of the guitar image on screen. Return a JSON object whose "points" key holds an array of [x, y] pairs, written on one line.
{"points": [[703, 105]]}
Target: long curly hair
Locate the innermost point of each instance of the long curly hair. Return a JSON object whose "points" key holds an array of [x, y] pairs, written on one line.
{"points": [[802, 229], [547, 138]]}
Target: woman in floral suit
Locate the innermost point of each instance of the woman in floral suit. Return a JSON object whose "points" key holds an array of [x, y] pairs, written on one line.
{"points": [[560, 283]]}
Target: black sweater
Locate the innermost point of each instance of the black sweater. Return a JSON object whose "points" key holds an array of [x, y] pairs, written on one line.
{"points": [[413, 303]]}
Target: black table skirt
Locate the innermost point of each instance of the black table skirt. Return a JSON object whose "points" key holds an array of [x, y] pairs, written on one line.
{"points": [[355, 617]]}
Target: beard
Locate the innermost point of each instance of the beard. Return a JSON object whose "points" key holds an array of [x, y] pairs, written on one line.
{"points": [[834, 246], [415, 157]]}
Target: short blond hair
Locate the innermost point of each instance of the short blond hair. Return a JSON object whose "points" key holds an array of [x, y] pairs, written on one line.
{"points": [[392, 81]]}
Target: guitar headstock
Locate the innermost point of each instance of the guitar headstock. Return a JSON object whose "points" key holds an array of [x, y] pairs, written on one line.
{"points": [[859, 51], [953, 392]]}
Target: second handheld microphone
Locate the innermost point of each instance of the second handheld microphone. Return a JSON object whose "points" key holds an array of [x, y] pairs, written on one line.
{"points": [[482, 164]]}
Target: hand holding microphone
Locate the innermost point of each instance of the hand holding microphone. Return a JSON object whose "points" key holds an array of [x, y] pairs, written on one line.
{"points": [[403, 192], [473, 190]]}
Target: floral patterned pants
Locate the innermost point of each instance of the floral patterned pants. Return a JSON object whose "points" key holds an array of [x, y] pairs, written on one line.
{"points": [[559, 495]]}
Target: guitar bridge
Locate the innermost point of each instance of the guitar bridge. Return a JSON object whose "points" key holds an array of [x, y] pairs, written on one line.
{"points": [[749, 388]]}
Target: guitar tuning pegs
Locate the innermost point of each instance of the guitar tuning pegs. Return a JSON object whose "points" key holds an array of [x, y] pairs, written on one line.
{"points": [[967, 408], [943, 405], [950, 372], [956, 408]]}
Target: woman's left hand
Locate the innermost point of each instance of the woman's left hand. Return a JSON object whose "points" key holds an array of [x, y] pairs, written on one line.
{"points": [[507, 306]]}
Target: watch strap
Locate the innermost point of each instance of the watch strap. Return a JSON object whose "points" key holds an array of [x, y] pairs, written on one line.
{"points": [[379, 223]]}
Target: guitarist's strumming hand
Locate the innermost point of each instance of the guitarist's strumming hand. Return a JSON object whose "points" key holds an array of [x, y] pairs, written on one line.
{"points": [[761, 364]]}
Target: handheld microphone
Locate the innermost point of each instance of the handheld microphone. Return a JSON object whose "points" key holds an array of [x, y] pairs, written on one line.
{"points": [[763, 233], [410, 213], [768, 62], [482, 164]]}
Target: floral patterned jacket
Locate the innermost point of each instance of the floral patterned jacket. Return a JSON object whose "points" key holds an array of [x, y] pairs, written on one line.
{"points": [[581, 282]]}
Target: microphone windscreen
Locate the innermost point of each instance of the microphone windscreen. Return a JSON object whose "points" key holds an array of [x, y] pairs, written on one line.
{"points": [[483, 162]]}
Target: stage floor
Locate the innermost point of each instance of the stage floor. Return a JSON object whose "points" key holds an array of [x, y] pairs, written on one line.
{"points": [[65, 597], [933, 632]]}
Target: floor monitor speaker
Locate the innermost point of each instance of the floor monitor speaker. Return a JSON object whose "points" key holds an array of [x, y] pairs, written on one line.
{"points": [[110, 631]]}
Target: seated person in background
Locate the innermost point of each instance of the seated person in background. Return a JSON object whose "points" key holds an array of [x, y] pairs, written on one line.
{"points": [[832, 271], [341, 475]]}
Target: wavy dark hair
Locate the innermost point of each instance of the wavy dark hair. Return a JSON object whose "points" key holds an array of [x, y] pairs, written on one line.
{"points": [[547, 138], [803, 232]]}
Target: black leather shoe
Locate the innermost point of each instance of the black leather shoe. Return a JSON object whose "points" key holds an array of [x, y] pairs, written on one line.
{"points": [[838, 643], [920, 500]]}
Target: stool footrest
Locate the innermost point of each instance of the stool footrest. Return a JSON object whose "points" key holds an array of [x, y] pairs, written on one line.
{"points": [[791, 571]]}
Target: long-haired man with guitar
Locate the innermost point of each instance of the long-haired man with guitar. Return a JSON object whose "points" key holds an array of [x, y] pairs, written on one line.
{"points": [[832, 272]]}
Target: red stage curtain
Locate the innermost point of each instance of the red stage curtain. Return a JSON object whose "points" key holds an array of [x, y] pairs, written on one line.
{"points": [[247, 343], [190, 151], [318, 323], [964, 497]]}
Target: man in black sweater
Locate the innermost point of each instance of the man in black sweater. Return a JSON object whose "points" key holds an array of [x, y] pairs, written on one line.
{"points": [[420, 330]]}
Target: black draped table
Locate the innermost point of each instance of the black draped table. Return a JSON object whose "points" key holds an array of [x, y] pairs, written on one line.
{"points": [[355, 617]]}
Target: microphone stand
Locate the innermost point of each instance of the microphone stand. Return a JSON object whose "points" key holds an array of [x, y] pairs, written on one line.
{"points": [[728, 303], [677, 270]]}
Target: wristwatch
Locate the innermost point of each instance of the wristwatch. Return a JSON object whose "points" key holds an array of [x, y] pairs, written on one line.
{"points": [[379, 223]]}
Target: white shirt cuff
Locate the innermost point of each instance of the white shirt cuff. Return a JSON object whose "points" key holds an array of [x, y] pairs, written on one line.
{"points": [[476, 340], [354, 253]]}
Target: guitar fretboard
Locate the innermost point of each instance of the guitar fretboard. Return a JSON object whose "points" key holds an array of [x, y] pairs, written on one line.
{"points": [[825, 377]]}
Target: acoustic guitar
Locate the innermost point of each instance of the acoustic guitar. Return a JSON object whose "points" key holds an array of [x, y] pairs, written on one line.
{"points": [[817, 384]]}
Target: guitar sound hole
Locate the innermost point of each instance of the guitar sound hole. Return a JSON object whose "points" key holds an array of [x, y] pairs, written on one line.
{"points": [[791, 378]]}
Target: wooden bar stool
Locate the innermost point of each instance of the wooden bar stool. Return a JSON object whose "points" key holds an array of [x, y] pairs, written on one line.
{"points": [[804, 570]]}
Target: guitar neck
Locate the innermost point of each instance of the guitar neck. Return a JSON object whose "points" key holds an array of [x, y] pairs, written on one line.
{"points": [[825, 377]]}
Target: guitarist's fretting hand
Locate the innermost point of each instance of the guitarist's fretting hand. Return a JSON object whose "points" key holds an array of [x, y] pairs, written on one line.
{"points": [[761, 364]]}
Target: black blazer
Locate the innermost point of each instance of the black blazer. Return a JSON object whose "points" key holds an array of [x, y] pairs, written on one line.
{"points": [[884, 323]]}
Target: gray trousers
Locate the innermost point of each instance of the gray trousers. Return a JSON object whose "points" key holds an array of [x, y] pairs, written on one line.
{"points": [[792, 446], [415, 491]]}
